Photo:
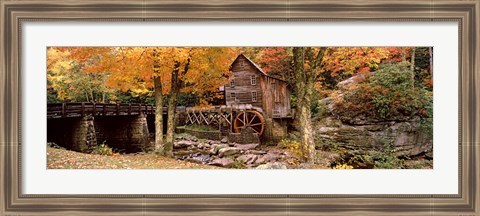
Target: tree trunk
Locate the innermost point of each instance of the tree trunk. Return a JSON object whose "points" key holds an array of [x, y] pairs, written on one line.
{"points": [[306, 132], [412, 67], [404, 54], [158, 115], [172, 103], [304, 89], [157, 82]]}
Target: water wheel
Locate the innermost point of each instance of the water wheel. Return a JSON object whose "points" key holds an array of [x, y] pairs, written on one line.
{"points": [[250, 118]]}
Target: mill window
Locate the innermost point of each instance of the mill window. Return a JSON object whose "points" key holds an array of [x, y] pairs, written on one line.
{"points": [[254, 96], [253, 79], [242, 63]]}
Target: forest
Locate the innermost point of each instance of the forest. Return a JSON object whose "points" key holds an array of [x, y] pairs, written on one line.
{"points": [[352, 107]]}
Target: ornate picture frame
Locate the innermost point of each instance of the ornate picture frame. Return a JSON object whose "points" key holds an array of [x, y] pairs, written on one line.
{"points": [[14, 13]]}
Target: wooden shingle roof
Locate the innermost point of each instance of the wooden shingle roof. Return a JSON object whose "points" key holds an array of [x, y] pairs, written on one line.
{"points": [[256, 67]]}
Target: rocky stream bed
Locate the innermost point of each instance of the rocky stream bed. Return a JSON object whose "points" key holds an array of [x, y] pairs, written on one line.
{"points": [[229, 155]]}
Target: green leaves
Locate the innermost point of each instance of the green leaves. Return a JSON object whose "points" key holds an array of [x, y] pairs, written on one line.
{"points": [[385, 95]]}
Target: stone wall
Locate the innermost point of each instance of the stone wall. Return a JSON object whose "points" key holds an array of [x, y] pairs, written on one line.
{"points": [[245, 136], [404, 138], [275, 130], [129, 133], [83, 137]]}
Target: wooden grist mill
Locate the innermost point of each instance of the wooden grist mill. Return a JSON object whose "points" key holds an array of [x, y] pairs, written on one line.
{"points": [[252, 99]]}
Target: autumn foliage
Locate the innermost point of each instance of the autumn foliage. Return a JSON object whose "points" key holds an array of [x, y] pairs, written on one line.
{"points": [[384, 95], [132, 68]]}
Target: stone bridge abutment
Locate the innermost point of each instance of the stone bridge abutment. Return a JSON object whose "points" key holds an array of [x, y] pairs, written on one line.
{"points": [[83, 134]]}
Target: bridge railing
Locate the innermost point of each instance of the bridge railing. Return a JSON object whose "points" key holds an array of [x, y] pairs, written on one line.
{"points": [[62, 110]]}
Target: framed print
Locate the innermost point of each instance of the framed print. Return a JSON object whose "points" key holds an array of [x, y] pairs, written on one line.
{"points": [[296, 108]]}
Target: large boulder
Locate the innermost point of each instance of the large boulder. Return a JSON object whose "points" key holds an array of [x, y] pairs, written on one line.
{"points": [[246, 146], [404, 135], [256, 152], [403, 138], [272, 165], [269, 157], [228, 151], [183, 144], [247, 158], [214, 148], [223, 162]]}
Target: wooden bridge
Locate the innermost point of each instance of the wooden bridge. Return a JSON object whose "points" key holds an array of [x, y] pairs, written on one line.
{"points": [[81, 126], [64, 110]]}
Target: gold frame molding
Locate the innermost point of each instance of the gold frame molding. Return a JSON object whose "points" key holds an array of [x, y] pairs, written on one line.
{"points": [[14, 12]]}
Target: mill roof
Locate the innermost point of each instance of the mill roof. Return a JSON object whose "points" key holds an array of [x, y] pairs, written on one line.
{"points": [[256, 67]]}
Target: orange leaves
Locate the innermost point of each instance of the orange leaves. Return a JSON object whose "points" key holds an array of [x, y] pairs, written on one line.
{"points": [[275, 61], [200, 69], [351, 60]]}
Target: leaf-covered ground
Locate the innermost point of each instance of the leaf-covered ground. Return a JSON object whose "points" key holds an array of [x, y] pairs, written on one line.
{"points": [[65, 159]]}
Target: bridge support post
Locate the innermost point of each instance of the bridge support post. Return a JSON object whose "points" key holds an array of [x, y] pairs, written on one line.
{"points": [[83, 135], [139, 135], [128, 133]]}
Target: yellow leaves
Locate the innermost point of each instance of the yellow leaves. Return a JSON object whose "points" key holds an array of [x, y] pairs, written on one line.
{"points": [[343, 166], [141, 91], [133, 68]]}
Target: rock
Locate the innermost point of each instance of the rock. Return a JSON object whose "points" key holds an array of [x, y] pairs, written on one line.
{"points": [[221, 146], [228, 151], [346, 84], [246, 146], [183, 144], [212, 151], [203, 146], [223, 162], [247, 158], [256, 152], [326, 129], [406, 138], [268, 158], [213, 142], [192, 148], [215, 147], [199, 159], [224, 140], [272, 165]]}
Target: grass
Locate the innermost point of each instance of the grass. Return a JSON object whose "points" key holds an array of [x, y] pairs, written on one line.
{"points": [[65, 159], [201, 127]]}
